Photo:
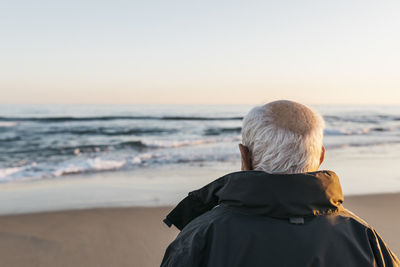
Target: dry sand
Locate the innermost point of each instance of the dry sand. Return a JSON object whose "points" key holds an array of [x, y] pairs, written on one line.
{"points": [[133, 236]]}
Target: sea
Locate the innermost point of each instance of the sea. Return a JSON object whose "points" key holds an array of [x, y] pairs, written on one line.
{"points": [[63, 157], [39, 142]]}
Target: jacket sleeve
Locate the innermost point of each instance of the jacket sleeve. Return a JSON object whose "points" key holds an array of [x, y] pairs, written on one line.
{"points": [[384, 257], [186, 250], [175, 256]]}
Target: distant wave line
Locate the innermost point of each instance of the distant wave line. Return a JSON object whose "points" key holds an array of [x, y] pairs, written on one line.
{"points": [[362, 119], [210, 131], [139, 145], [359, 119], [109, 118], [111, 132]]}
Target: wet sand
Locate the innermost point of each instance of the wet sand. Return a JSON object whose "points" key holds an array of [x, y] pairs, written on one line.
{"points": [[134, 236]]}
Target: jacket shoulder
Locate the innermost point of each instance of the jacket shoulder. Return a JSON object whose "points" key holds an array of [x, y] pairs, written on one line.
{"points": [[382, 254], [206, 220], [347, 213]]}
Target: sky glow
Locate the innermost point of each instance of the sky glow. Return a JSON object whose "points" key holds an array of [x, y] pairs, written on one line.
{"points": [[199, 52]]}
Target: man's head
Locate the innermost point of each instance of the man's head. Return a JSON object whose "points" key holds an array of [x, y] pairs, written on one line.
{"points": [[282, 137]]}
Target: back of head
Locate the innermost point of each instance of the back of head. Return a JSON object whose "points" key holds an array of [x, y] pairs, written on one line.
{"points": [[283, 137]]}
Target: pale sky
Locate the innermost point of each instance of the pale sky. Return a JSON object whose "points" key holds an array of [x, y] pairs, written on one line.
{"points": [[199, 52]]}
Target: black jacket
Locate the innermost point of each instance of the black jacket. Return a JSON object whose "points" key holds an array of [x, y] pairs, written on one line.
{"points": [[253, 218]]}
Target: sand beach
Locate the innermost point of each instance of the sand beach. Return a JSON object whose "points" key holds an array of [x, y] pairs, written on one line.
{"points": [[133, 236]]}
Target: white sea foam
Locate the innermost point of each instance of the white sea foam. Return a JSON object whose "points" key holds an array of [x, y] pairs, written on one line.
{"points": [[70, 169], [9, 171], [105, 164], [90, 165], [141, 158], [8, 123]]}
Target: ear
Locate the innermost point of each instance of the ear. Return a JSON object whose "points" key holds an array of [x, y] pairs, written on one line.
{"points": [[322, 157], [246, 158]]}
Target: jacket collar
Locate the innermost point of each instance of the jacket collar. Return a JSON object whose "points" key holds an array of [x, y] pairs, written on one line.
{"points": [[259, 192]]}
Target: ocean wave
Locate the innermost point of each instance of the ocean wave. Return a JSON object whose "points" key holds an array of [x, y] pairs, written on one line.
{"points": [[12, 121], [79, 149], [361, 118], [112, 162], [111, 132], [110, 118], [219, 131], [383, 129], [6, 124], [136, 145], [97, 164], [142, 158], [69, 167], [358, 131], [362, 144], [48, 151], [132, 144], [86, 164], [4, 172], [333, 132], [191, 142], [91, 165], [10, 139], [200, 118]]}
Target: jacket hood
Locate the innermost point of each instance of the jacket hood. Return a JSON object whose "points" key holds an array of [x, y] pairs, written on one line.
{"points": [[258, 192]]}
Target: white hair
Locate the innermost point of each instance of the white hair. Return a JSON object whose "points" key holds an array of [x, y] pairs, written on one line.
{"points": [[277, 149]]}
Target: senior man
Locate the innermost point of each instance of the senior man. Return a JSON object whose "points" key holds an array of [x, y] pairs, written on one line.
{"points": [[279, 210]]}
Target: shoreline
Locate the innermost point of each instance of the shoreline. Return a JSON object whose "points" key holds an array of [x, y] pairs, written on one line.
{"points": [[360, 170], [347, 198], [134, 236]]}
